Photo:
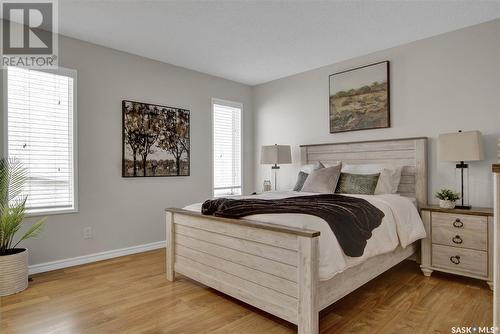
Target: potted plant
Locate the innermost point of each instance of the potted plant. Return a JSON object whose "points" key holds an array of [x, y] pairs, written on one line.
{"points": [[447, 198], [13, 260]]}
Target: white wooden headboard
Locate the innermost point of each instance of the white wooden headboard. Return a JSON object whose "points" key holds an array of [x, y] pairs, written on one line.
{"points": [[411, 153]]}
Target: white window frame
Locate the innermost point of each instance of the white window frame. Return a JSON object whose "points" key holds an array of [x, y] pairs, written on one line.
{"points": [[234, 105], [60, 71]]}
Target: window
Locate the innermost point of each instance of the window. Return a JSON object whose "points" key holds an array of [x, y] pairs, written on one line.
{"points": [[41, 133], [226, 148]]}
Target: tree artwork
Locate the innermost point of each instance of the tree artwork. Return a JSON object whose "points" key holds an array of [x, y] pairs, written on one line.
{"points": [[155, 140]]}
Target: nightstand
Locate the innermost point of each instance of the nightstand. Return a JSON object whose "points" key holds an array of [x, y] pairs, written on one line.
{"points": [[458, 242]]}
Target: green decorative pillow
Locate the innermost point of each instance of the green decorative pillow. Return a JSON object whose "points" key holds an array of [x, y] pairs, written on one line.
{"points": [[362, 184]]}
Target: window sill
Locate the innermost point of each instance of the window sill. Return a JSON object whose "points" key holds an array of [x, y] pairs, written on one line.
{"points": [[48, 212]]}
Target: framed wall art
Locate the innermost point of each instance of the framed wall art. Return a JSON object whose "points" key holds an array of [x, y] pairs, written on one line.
{"points": [[155, 140], [359, 98]]}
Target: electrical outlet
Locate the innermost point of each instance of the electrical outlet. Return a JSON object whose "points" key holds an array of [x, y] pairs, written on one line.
{"points": [[87, 233]]}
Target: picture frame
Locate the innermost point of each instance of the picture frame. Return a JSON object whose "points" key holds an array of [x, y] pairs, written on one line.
{"points": [[359, 98], [157, 137]]}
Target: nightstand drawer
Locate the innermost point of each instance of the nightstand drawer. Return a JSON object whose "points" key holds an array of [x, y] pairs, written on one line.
{"points": [[457, 222], [474, 238], [459, 259]]}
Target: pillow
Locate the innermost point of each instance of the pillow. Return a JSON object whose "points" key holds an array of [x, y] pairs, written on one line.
{"points": [[310, 167], [323, 180], [336, 163], [363, 184], [305, 170], [388, 181], [301, 178]]}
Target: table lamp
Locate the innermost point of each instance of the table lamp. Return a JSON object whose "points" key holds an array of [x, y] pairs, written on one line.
{"points": [[461, 147], [275, 155]]}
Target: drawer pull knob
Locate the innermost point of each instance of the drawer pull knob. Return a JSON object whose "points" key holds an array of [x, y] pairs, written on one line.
{"points": [[455, 259], [458, 223], [457, 240]]}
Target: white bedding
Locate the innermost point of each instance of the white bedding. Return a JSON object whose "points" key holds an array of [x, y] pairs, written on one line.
{"points": [[401, 226]]}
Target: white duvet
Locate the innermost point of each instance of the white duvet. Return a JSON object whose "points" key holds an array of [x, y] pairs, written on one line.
{"points": [[401, 225]]}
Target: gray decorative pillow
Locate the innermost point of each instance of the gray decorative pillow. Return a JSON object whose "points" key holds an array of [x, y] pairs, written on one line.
{"points": [[323, 180], [362, 184], [301, 178]]}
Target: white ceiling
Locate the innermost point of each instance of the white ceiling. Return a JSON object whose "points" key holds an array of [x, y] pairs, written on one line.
{"points": [[258, 41]]}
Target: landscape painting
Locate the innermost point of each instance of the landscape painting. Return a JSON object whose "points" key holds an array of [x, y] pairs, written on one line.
{"points": [[359, 98], [155, 140]]}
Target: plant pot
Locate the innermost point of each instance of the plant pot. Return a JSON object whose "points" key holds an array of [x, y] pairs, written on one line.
{"points": [[446, 204], [14, 272]]}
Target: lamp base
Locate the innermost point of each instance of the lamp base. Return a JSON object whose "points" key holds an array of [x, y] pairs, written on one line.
{"points": [[275, 168], [462, 166]]}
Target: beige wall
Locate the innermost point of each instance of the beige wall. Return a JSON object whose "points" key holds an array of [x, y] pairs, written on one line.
{"points": [[128, 212], [440, 84]]}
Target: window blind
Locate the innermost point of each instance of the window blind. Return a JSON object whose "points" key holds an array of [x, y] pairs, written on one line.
{"points": [[40, 135], [226, 149]]}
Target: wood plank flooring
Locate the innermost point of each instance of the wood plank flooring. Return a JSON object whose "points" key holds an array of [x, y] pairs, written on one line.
{"points": [[131, 295]]}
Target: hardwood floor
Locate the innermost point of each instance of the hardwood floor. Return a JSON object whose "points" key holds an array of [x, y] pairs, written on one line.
{"points": [[131, 295]]}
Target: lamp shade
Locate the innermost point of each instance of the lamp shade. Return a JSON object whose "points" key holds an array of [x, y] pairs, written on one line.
{"points": [[461, 146], [276, 154]]}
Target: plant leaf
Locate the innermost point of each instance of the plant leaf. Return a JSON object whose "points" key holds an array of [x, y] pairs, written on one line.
{"points": [[13, 177], [17, 178], [33, 231], [10, 223]]}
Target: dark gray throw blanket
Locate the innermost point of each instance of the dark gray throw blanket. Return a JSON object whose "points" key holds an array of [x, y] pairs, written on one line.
{"points": [[351, 219]]}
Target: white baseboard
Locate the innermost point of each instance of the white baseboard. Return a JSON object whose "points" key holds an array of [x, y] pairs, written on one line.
{"points": [[75, 261]]}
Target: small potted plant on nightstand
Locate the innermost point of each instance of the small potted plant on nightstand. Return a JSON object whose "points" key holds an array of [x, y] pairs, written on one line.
{"points": [[13, 260], [447, 198]]}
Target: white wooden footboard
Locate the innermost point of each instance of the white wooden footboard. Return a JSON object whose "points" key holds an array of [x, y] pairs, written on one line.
{"points": [[272, 267]]}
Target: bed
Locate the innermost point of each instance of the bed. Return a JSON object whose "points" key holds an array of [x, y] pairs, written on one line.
{"points": [[276, 267]]}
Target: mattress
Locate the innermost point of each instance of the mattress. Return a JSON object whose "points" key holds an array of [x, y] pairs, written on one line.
{"points": [[401, 226]]}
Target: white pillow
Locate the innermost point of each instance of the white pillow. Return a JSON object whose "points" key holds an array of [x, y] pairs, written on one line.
{"points": [[323, 180], [388, 181], [311, 167], [333, 164]]}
